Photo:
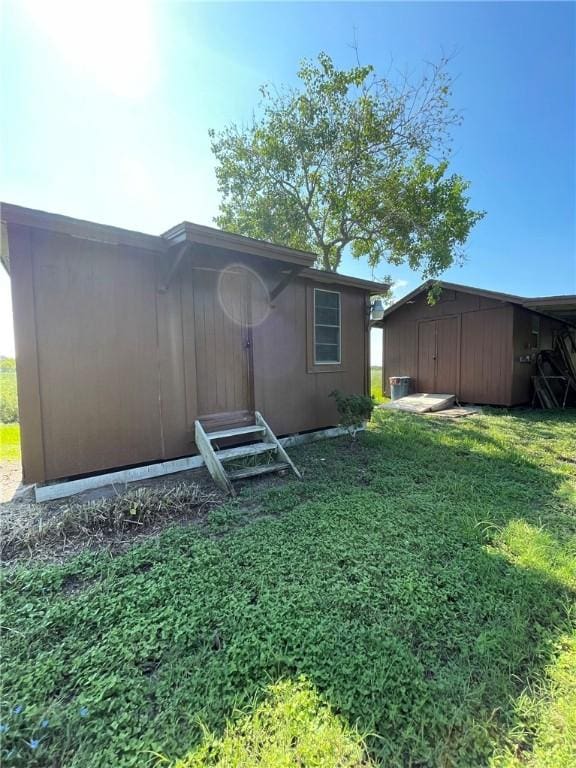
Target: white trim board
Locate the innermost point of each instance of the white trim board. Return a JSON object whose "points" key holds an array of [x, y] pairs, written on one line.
{"points": [[61, 490]]}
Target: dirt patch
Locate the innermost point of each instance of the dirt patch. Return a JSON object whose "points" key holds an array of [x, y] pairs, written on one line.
{"points": [[80, 523], [54, 532], [10, 478]]}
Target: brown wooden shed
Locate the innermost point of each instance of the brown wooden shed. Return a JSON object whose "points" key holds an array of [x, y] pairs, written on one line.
{"points": [[124, 339], [479, 345]]}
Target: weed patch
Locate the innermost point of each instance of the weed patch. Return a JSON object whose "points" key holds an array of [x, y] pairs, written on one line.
{"points": [[28, 529]]}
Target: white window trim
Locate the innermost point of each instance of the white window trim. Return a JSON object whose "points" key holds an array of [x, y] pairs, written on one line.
{"points": [[339, 326]]}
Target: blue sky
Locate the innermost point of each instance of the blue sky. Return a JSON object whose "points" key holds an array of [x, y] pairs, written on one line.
{"points": [[105, 108]]}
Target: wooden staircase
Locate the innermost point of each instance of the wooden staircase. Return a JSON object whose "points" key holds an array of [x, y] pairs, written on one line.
{"points": [[217, 460]]}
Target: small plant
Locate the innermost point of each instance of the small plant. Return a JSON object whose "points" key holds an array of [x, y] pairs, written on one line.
{"points": [[353, 410]]}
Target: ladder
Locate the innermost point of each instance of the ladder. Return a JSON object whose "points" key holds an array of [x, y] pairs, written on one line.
{"points": [[217, 460]]}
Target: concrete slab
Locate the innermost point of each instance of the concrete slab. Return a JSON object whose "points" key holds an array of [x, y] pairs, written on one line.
{"points": [[421, 402]]}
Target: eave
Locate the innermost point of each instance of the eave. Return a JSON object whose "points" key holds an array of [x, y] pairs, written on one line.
{"points": [[217, 238], [323, 276], [87, 230]]}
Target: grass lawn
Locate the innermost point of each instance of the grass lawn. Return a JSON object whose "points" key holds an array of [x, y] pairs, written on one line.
{"points": [[376, 384], [9, 442], [410, 603], [8, 394]]}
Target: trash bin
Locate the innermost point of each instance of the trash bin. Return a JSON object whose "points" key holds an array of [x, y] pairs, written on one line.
{"points": [[399, 386]]}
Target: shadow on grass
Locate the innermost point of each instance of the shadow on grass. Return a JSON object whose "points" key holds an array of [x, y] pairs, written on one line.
{"points": [[409, 578]]}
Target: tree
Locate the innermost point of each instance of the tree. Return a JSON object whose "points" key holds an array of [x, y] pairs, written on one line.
{"points": [[349, 159]]}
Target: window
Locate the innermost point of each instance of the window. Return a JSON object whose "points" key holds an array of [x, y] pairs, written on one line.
{"points": [[326, 327]]}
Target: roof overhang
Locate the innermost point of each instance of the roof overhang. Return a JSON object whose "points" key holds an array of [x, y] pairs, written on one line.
{"points": [[301, 262], [557, 307], [217, 238], [323, 276], [561, 307], [66, 225]]}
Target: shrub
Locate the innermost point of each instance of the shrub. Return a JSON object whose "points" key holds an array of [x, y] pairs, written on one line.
{"points": [[353, 409]]}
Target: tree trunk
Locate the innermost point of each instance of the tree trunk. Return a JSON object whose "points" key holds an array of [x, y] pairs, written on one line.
{"points": [[327, 261]]}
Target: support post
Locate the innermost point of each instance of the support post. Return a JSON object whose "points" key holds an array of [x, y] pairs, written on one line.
{"points": [[174, 267], [275, 292]]}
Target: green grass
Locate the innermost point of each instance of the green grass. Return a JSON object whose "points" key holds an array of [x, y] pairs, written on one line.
{"points": [[376, 385], [291, 727], [415, 590], [8, 394], [9, 442]]}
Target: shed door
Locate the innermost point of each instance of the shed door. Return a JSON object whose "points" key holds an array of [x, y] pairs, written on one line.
{"points": [[223, 340], [447, 355], [427, 356], [438, 342]]}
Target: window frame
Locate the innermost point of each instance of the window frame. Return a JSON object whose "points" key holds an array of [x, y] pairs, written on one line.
{"points": [[324, 325], [314, 366]]}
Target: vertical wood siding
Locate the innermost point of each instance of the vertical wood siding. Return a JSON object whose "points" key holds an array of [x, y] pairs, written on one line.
{"points": [[113, 373], [25, 323], [221, 341], [426, 372], [293, 399], [486, 356], [471, 337], [448, 354], [97, 354]]}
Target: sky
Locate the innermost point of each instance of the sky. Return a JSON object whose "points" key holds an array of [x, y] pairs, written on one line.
{"points": [[105, 109]]}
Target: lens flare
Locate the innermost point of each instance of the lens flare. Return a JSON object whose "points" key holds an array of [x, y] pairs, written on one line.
{"points": [[243, 295]]}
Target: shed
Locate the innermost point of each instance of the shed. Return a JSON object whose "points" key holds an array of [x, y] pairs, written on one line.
{"points": [[479, 345], [124, 339]]}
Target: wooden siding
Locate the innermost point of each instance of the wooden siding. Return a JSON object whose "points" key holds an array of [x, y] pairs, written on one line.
{"points": [[222, 344], [24, 309], [486, 356], [292, 399], [448, 354], [426, 371], [471, 336], [112, 372], [97, 354]]}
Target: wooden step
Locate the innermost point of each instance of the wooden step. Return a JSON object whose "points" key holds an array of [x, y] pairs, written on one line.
{"points": [[239, 431], [263, 469], [245, 450], [214, 458]]}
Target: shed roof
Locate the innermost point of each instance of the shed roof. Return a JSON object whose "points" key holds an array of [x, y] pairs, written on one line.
{"points": [[87, 230], [303, 261], [559, 307], [562, 307], [199, 233], [323, 276]]}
